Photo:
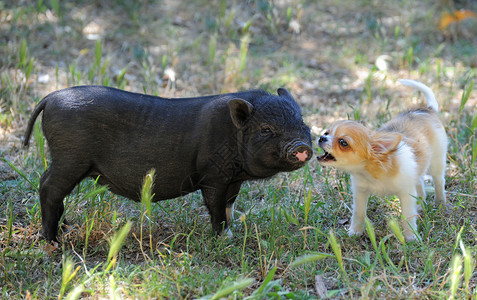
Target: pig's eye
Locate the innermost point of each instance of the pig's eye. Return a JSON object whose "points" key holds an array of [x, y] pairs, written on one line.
{"points": [[343, 143], [265, 130]]}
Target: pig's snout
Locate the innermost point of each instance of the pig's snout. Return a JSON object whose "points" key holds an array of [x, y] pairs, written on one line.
{"points": [[298, 152]]}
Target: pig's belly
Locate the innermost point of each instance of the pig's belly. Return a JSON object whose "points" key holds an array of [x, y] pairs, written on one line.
{"points": [[166, 186]]}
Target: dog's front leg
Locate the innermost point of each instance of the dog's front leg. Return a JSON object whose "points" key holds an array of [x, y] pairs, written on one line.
{"points": [[360, 203], [409, 213]]}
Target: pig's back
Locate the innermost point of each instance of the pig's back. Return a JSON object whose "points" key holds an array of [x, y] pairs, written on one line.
{"points": [[123, 135], [107, 112]]}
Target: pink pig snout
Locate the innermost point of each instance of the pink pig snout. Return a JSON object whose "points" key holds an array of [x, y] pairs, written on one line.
{"points": [[302, 156], [299, 152]]}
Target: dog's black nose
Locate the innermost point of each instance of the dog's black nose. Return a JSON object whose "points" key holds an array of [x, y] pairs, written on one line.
{"points": [[322, 139]]}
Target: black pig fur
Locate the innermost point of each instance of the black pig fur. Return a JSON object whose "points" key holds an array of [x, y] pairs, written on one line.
{"points": [[211, 143]]}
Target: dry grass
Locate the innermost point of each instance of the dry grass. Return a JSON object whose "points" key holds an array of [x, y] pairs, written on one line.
{"points": [[339, 59]]}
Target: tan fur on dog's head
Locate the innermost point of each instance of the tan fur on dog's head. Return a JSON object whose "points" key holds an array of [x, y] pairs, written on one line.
{"points": [[350, 145]]}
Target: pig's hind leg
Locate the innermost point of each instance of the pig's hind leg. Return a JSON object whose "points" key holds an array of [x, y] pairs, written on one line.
{"points": [[57, 182]]}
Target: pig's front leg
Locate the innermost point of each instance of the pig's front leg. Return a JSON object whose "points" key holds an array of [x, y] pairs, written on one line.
{"points": [[219, 200]]}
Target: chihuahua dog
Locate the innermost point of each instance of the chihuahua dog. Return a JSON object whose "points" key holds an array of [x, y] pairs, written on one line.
{"points": [[391, 160]]}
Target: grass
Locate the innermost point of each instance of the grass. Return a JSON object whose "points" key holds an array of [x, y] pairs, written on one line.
{"points": [[290, 237]]}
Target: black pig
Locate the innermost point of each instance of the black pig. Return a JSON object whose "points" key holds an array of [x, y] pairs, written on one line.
{"points": [[211, 144]]}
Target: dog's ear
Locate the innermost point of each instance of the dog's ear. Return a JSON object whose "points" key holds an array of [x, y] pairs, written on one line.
{"points": [[386, 142]]}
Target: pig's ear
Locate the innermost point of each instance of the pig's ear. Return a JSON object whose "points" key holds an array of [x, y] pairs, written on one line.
{"points": [[284, 92], [240, 111]]}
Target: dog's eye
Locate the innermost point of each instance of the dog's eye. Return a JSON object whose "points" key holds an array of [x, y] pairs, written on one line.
{"points": [[343, 143], [326, 133]]}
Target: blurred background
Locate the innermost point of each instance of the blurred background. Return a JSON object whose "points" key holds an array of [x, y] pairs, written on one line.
{"points": [[340, 59]]}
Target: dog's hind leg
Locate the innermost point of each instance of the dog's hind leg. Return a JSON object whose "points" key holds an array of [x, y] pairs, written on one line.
{"points": [[421, 192], [437, 169]]}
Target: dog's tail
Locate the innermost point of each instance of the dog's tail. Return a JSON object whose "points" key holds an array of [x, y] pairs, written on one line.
{"points": [[430, 97]]}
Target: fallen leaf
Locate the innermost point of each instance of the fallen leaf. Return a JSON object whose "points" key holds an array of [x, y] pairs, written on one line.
{"points": [[50, 248], [455, 16]]}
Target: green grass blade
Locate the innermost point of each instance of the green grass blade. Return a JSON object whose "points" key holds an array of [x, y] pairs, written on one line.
{"points": [[244, 42], [56, 7], [289, 217], [394, 226], [222, 8], [75, 293], [466, 93], [146, 192], [458, 239], [120, 82], [338, 254], [246, 26], [474, 151], [212, 49], [67, 275], [29, 68], [10, 219], [97, 190], [34, 185], [474, 123], [307, 258], [98, 53], [117, 243], [289, 14], [40, 144], [267, 279], [39, 5], [371, 234], [23, 53], [307, 205], [469, 265], [456, 267], [237, 285]]}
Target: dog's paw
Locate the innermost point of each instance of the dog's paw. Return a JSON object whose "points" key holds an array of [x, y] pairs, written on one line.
{"points": [[353, 231], [443, 206], [419, 208], [411, 237]]}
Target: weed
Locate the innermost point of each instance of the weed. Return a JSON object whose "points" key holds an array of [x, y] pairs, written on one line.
{"points": [[293, 225], [67, 275], [146, 209], [116, 244]]}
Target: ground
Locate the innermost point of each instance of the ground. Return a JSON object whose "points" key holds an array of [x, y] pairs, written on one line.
{"points": [[340, 59]]}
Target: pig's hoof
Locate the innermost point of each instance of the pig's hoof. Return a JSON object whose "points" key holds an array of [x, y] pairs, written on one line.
{"points": [[49, 239]]}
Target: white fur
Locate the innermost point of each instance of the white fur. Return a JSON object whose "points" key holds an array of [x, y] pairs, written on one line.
{"points": [[438, 150], [403, 185], [390, 186], [229, 211], [437, 167], [428, 93], [407, 185]]}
